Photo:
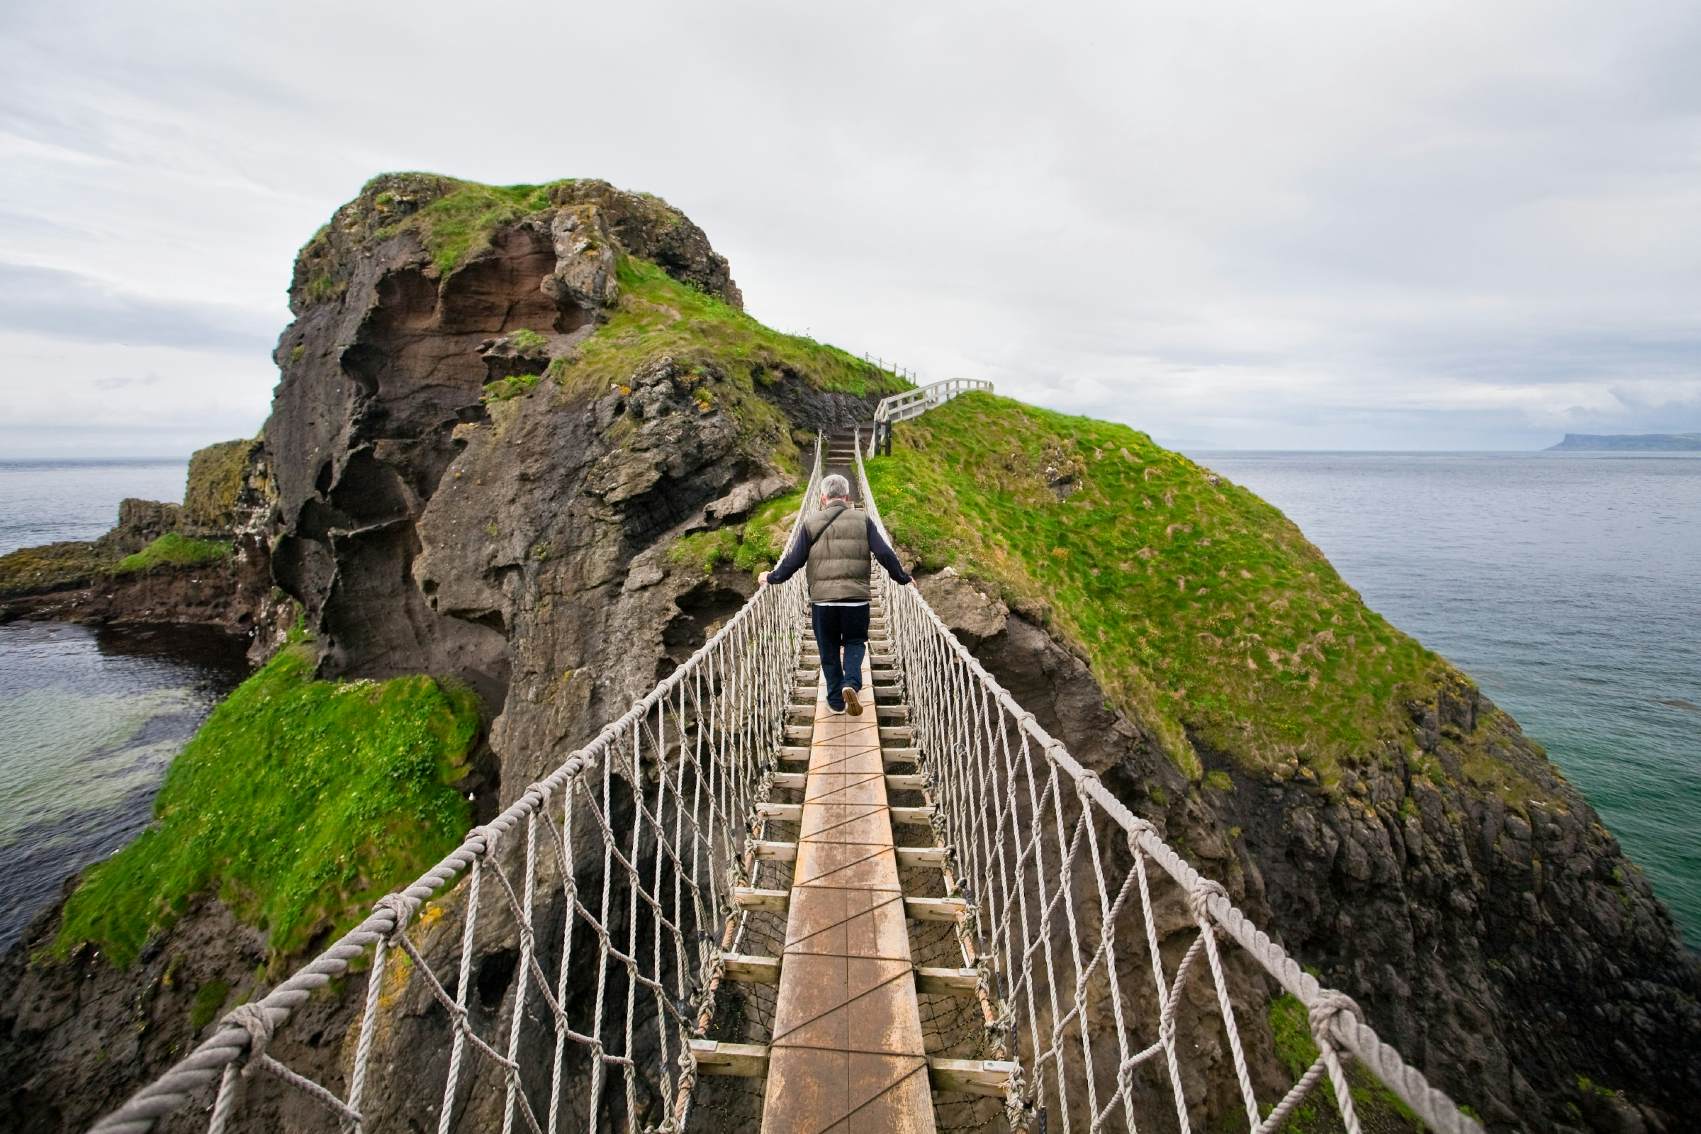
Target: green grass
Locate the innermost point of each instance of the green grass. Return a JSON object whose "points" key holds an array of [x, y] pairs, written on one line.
{"points": [[527, 340], [752, 547], [460, 223], [1203, 610], [54, 565], [1378, 1107], [659, 316], [511, 387], [173, 550], [298, 803], [217, 474]]}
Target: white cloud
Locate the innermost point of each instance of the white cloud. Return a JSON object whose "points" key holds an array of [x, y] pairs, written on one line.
{"points": [[1422, 225]]}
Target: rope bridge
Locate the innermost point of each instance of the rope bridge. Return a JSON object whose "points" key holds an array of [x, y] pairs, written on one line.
{"points": [[567, 965]]}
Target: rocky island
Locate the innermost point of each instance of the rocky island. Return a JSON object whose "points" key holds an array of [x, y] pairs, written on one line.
{"points": [[527, 451], [1631, 442]]}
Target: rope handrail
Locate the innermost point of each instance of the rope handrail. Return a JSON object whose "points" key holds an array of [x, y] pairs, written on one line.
{"points": [[988, 759], [611, 883], [718, 718]]}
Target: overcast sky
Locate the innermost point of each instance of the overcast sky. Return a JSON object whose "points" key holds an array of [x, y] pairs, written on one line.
{"points": [[1356, 225]]}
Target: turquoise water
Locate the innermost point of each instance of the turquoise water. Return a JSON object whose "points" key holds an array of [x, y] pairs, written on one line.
{"points": [[89, 719], [1567, 584]]}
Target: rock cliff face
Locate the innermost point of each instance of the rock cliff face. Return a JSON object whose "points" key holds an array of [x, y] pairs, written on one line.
{"points": [[478, 470], [1520, 963], [451, 494], [227, 586]]}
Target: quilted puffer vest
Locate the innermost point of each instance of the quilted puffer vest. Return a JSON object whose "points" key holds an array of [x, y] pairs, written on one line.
{"points": [[838, 558]]}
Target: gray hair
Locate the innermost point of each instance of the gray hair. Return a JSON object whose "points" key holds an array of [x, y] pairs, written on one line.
{"points": [[834, 486]]}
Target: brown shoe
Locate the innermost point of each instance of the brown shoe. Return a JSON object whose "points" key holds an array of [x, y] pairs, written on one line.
{"points": [[853, 703]]}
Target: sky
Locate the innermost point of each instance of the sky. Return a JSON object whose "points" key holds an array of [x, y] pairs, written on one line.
{"points": [[1361, 225]]}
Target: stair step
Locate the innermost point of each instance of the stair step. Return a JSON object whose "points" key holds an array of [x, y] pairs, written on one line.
{"points": [[914, 816], [946, 982], [743, 1060], [988, 1077], [769, 901], [935, 909], [921, 856], [969, 1076], [768, 850], [752, 969]]}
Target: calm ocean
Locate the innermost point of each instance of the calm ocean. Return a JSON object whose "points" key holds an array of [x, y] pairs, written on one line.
{"points": [[1567, 584], [88, 719]]}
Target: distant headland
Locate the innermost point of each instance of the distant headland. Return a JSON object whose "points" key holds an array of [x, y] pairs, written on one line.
{"points": [[1669, 442]]}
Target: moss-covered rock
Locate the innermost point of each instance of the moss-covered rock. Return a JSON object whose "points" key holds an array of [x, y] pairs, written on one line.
{"points": [[213, 496], [298, 803], [54, 566]]}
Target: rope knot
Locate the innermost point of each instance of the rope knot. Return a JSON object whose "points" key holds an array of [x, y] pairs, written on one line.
{"points": [[1326, 1011], [401, 908], [488, 834], [257, 1022], [1203, 891]]}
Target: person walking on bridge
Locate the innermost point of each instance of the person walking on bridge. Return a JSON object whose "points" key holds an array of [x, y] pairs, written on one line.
{"points": [[835, 542]]}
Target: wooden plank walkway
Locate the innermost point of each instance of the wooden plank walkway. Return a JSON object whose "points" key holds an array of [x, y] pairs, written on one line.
{"points": [[846, 1053]]}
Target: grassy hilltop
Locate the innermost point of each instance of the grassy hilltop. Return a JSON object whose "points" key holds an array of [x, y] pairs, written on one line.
{"points": [[1203, 610]]}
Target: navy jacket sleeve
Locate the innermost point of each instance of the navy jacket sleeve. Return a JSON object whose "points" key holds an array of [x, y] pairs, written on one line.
{"points": [[884, 553], [796, 556]]}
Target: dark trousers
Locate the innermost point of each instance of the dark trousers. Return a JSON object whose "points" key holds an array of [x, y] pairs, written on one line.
{"points": [[841, 638]]}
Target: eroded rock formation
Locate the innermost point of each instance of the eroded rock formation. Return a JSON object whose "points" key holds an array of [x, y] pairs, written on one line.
{"points": [[1517, 962]]}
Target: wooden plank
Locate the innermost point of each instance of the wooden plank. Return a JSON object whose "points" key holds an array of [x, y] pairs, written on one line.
{"points": [[897, 734], [921, 856], [971, 1076], [761, 901], [794, 753], [780, 812], [935, 909], [946, 982], [902, 756], [791, 781], [905, 781], [744, 1060], [803, 732], [752, 969], [770, 851], [915, 816]]}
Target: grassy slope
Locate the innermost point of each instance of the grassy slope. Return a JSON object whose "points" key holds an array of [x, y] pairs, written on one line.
{"points": [[173, 550], [753, 546], [726, 356], [299, 803], [1201, 607]]}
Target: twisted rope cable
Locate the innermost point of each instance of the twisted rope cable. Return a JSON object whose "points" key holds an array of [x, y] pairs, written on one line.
{"points": [[927, 643]]}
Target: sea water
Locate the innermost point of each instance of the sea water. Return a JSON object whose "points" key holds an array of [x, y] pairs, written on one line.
{"points": [[1567, 584], [89, 719]]}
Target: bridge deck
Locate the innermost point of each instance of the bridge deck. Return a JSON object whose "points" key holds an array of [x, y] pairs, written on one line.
{"points": [[847, 1050]]}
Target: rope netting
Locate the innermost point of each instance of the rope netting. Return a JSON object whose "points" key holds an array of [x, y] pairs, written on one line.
{"points": [[1104, 959], [568, 950], [552, 971]]}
